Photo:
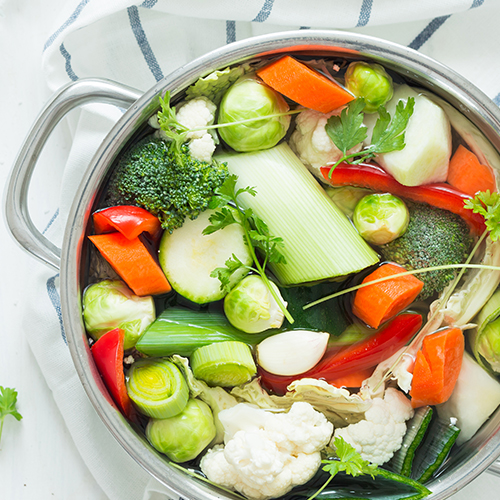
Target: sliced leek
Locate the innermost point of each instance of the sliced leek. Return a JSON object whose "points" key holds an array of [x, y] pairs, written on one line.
{"points": [[179, 330], [225, 364], [157, 387], [320, 242]]}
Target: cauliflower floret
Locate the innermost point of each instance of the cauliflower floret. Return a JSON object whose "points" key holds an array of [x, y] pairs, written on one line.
{"points": [[202, 148], [381, 433], [267, 454], [312, 144]]}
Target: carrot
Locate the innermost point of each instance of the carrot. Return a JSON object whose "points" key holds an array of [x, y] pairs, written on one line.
{"points": [[375, 304], [468, 175], [437, 367], [354, 379], [304, 85], [133, 262]]}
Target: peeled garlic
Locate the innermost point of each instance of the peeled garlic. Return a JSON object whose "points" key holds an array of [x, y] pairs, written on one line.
{"points": [[293, 352]]}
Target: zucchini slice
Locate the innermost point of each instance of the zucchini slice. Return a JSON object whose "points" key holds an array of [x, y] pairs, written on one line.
{"points": [[187, 258]]}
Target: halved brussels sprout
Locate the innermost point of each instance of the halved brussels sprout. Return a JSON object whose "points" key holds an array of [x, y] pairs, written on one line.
{"points": [[381, 218], [371, 82], [249, 98]]}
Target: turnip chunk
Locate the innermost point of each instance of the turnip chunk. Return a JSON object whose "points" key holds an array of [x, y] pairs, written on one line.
{"points": [[293, 352], [475, 397], [426, 156]]}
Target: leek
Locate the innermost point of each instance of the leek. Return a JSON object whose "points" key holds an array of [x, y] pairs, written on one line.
{"points": [[157, 387], [319, 240], [225, 364], [179, 330]]}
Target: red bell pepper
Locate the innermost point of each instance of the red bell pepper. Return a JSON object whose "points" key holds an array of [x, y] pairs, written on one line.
{"points": [[439, 195], [129, 220], [108, 356], [360, 356]]}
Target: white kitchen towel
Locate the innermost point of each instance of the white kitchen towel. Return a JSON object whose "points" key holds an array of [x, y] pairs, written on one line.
{"points": [[138, 43]]}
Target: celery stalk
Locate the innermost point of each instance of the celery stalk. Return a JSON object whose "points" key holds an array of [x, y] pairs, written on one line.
{"points": [[320, 241]]}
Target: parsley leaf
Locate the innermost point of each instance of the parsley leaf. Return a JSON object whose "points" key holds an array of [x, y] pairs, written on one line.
{"points": [[348, 130], [488, 205], [167, 119], [8, 400], [256, 236]]}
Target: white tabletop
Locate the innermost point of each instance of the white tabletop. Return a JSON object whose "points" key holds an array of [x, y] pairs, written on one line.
{"points": [[38, 459]]}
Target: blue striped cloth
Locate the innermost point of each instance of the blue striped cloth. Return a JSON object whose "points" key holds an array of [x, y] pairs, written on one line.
{"points": [[138, 43]]}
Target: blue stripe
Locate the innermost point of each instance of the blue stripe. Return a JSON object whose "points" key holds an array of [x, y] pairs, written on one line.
{"points": [[496, 99], [67, 57], [51, 221], [265, 12], [305, 28], [230, 31], [149, 4], [427, 32], [365, 13], [140, 36], [56, 302], [476, 3], [71, 19]]}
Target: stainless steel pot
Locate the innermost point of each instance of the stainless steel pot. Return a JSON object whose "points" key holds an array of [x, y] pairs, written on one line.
{"points": [[465, 463]]}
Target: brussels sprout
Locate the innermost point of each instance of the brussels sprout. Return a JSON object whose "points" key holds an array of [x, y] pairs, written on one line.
{"points": [[250, 307], [184, 436], [110, 304], [346, 197], [249, 98], [381, 218], [371, 82]]}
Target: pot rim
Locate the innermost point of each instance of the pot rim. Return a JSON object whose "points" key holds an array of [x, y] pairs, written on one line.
{"points": [[419, 68]]}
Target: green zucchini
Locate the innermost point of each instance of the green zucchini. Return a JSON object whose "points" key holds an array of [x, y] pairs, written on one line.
{"points": [[436, 446], [188, 257], [320, 241], [179, 330], [402, 461]]}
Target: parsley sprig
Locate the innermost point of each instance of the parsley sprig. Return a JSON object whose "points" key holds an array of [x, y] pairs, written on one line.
{"points": [[8, 400], [256, 235], [348, 130], [488, 205], [352, 463]]}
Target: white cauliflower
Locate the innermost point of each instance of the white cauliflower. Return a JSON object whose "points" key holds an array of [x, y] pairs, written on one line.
{"points": [[266, 454], [381, 433], [311, 142], [195, 114]]}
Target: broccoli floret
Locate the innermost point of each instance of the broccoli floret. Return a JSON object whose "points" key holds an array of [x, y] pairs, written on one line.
{"points": [[434, 237], [169, 183]]}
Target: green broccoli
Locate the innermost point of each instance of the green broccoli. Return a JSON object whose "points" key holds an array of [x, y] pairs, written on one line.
{"points": [[434, 237], [167, 182]]}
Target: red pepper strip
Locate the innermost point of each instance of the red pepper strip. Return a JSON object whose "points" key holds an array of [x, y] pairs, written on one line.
{"points": [[439, 195], [129, 220], [108, 357], [362, 355]]}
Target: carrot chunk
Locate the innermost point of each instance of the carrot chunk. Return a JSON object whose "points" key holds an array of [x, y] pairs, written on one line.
{"points": [[437, 367], [304, 85], [375, 304], [468, 175], [133, 262]]}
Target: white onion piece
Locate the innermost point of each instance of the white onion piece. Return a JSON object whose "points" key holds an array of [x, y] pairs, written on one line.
{"points": [[293, 352]]}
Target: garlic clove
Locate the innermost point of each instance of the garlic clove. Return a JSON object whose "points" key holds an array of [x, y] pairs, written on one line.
{"points": [[293, 352]]}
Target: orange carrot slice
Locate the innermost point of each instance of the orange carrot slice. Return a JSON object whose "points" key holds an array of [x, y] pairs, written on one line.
{"points": [[468, 175], [304, 85], [375, 304], [437, 367], [133, 262]]}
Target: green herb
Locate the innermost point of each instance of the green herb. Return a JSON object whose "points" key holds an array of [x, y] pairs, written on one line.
{"points": [[8, 400], [347, 130], [353, 464], [488, 205], [257, 236]]}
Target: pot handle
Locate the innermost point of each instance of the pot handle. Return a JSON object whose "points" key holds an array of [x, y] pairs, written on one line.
{"points": [[494, 468], [79, 93]]}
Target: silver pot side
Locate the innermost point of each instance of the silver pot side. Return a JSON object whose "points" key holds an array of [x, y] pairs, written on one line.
{"points": [[465, 464]]}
